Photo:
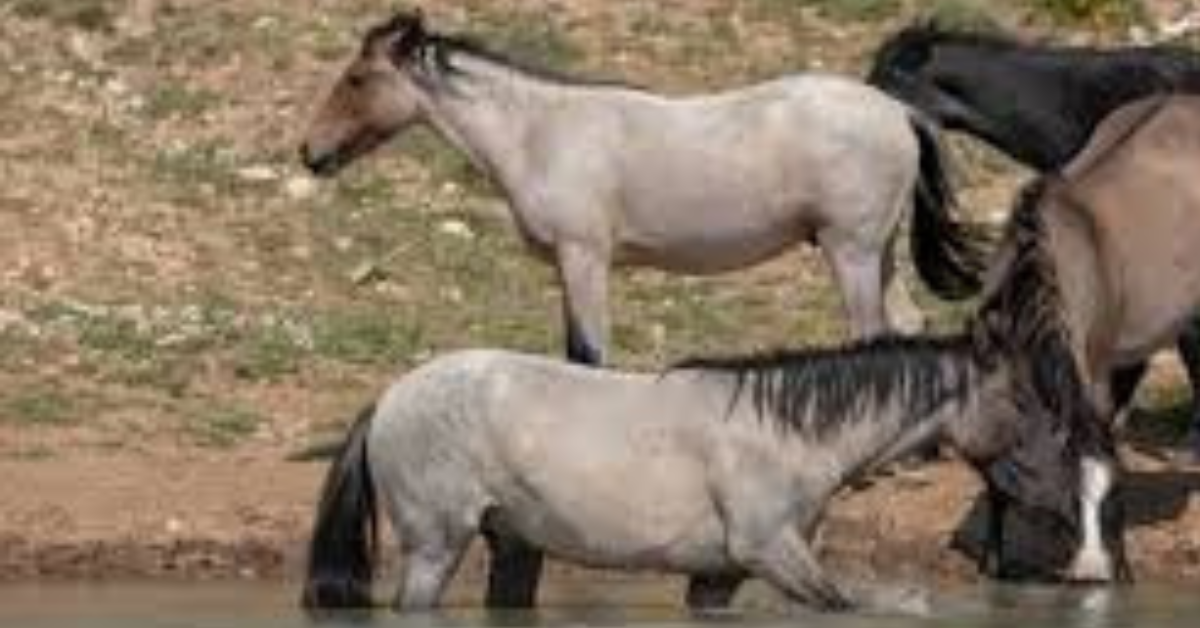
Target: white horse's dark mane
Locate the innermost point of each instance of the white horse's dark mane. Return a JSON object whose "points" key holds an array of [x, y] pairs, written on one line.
{"points": [[816, 392], [439, 49]]}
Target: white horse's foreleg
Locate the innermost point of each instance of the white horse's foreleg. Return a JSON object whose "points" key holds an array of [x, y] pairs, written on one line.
{"points": [[858, 271], [583, 270]]}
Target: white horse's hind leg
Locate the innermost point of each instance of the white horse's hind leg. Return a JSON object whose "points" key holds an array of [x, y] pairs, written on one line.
{"points": [[858, 270], [902, 311]]}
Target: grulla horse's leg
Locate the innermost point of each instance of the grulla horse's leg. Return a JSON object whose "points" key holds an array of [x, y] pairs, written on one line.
{"points": [[583, 270], [714, 591], [858, 269], [427, 567], [787, 562], [514, 572]]}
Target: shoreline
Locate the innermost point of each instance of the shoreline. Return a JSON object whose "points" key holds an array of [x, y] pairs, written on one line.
{"points": [[203, 520]]}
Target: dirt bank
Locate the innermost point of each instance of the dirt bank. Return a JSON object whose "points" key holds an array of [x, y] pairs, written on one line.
{"points": [[126, 517]]}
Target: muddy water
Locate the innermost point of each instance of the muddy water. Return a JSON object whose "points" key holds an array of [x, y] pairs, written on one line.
{"points": [[607, 604]]}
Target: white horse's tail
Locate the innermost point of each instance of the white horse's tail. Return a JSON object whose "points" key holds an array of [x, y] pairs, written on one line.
{"points": [[341, 559], [947, 255]]}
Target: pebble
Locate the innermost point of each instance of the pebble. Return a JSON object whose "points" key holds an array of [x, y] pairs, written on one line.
{"points": [[300, 188], [257, 174], [456, 228]]}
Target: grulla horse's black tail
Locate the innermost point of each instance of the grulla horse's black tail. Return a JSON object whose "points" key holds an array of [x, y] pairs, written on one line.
{"points": [[341, 558]]}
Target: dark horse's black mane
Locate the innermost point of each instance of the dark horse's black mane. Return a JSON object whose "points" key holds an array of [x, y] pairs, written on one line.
{"points": [[817, 391], [440, 49]]}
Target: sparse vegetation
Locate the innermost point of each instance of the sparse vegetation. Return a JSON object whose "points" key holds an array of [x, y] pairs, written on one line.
{"points": [[222, 426], [168, 261], [92, 15], [41, 405], [1118, 12]]}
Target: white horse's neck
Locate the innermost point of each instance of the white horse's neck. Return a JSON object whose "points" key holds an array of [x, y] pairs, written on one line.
{"points": [[490, 112]]}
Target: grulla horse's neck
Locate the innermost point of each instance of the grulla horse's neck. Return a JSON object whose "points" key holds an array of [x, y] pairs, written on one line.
{"points": [[490, 112], [898, 435]]}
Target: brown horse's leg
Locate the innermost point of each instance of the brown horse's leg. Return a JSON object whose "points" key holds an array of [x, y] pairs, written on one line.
{"points": [[1189, 353], [992, 561], [1124, 384]]}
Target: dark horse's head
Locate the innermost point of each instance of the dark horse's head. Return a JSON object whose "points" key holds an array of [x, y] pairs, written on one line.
{"points": [[1037, 103], [375, 97], [934, 71], [1060, 438]]}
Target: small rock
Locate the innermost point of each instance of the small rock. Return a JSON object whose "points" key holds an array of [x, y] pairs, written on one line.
{"points": [[456, 228], [365, 273], [257, 174], [300, 188], [174, 526]]}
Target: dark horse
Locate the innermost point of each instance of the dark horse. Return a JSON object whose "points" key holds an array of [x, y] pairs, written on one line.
{"points": [[1039, 105]]}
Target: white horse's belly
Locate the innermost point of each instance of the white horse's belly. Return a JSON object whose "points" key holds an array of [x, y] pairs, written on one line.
{"points": [[694, 245]]}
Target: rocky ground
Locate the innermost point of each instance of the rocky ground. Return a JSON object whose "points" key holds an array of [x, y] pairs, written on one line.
{"points": [[183, 312]]}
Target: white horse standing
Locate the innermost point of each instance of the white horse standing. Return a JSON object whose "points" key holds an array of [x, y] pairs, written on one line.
{"points": [[601, 173]]}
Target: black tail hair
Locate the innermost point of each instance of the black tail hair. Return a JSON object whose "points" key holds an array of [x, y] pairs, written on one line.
{"points": [[946, 253], [341, 558]]}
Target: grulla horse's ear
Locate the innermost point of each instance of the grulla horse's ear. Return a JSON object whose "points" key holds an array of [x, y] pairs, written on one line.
{"points": [[410, 25]]}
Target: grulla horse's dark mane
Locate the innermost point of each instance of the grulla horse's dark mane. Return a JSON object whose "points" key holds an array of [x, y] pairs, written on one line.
{"points": [[817, 392]]}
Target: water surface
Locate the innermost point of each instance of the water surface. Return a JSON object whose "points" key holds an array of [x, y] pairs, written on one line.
{"points": [[273, 605]]}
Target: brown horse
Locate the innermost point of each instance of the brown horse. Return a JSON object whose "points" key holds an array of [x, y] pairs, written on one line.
{"points": [[1104, 287]]}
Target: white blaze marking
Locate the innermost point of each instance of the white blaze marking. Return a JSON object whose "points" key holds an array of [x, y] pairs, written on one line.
{"points": [[1092, 561]]}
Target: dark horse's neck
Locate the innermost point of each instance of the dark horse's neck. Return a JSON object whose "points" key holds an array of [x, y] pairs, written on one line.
{"points": [[968, 83]]}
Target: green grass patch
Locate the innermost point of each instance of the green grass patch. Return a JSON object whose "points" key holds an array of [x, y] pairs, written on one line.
{"points": [[1092, 12], [90, 15], [367, 338], [963, 15], [171, 99], [842, 10], [41, 405], [222, 426]]}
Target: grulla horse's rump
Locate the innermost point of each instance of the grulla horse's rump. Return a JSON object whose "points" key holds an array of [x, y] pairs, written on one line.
{"points": [[718, 469], [598, 174], [1097, 289]]}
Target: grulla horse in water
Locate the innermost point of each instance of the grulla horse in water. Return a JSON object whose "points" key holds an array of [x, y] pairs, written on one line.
{"points": [[966, 81], [599, 173], [720, 469], [1101, 287]]}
